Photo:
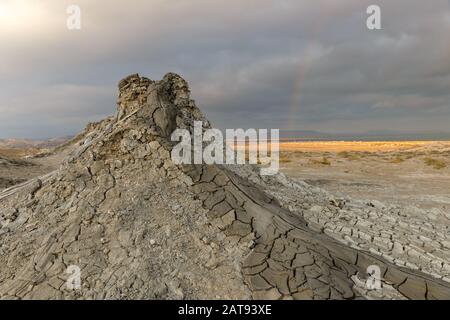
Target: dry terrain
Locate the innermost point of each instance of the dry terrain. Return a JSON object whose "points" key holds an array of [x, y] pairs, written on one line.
{"points": [[18, 165], [112, 203], [406, 173]]}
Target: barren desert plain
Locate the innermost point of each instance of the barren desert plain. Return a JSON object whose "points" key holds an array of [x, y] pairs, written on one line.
{"points": [[405, 173]]}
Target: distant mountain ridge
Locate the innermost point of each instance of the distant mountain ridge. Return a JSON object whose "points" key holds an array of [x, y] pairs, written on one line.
{"points": [[391, 135], [31, 143]]}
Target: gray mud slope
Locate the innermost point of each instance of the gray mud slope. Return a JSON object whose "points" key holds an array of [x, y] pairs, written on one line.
{"points": [[139, 226]]}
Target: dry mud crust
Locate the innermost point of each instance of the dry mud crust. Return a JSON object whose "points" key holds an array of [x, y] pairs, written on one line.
{"points": [[133, 231], [409, 237], [289, 260]]}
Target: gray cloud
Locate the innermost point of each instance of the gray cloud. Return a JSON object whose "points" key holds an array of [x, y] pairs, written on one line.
{"points": [[290, 64]]}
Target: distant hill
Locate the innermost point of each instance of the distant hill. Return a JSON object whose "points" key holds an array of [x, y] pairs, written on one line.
{"points": [[30, 143]]}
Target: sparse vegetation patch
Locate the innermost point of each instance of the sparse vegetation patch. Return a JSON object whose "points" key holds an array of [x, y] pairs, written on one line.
{"points": [[435, 163]]}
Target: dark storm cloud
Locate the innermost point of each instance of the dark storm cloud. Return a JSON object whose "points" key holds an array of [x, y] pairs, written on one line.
{"points": [[290, 64]]}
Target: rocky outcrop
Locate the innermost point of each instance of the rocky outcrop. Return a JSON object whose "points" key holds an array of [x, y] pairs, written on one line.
{"points": [[139, 226]]}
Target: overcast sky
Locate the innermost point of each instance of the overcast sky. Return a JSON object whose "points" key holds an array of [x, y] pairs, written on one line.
{"points": [[288, 64]]}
